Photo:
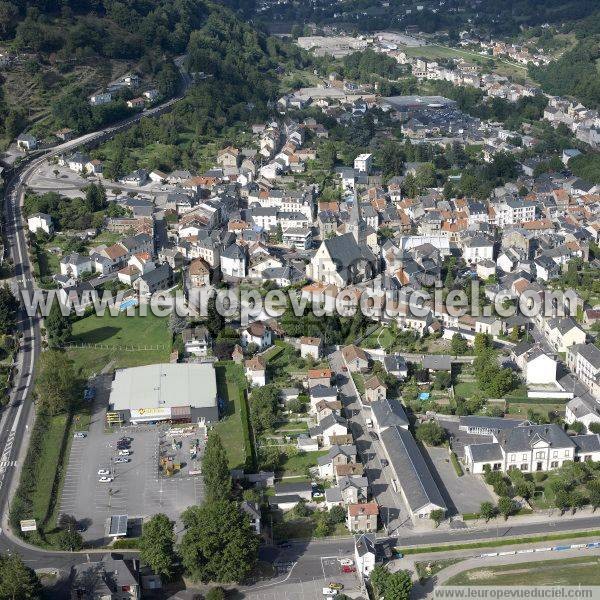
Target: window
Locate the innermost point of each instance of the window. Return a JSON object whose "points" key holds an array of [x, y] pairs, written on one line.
{"points": [[539, 454], [567, 453], [554, 464], [555, 454], [524, 457], [524, 467], [513, 457]]}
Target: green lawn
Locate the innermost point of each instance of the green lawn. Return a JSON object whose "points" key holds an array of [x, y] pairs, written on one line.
{"points": [[381, 338], [234, 428], [359, 382], [582, 570], [465, 389], [298, 463], [518, 410], [123, 339]]}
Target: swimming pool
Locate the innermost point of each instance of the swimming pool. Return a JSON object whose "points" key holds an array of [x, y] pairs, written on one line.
{"points": [[127, 303]]}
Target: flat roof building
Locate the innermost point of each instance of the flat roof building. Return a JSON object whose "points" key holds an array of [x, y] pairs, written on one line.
{"points": [[183, 392]]}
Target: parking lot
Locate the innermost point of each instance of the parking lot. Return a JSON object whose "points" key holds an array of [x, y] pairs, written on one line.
{"points": [[462, 494], [137, 488], [306, 581]]}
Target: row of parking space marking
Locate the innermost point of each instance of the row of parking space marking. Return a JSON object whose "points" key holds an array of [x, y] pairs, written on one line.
{"points": [[70, 489]]}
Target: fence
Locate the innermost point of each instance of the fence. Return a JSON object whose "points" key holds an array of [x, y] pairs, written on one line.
{"points": [[126, 348]]}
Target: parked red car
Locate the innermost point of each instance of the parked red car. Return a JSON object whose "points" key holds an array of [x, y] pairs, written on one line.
{"points": [[347, 569]]}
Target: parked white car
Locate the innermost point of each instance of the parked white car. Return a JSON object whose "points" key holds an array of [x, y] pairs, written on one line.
{"points": [[105, 479], [124, 452], [103, 472]]}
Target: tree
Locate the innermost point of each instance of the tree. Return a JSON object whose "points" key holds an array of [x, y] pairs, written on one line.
{"points": [[398, 586], [337, 514], [301, 510], [9, 306], [593, 491], [68, 539], [594, 427], [443, 380], [487, 511], [57, 386], [379, 576], [577, 426], [506, 506], [219, 543], [431, 433], [263, 407], [562, 500], [17, 581], [215, 468], [214, 320], [437, 516], [156, 545], [58, 326], [525, 489], [459, 345], [482, 342]]}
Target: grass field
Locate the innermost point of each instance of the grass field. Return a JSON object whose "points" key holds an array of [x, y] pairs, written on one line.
{"points": [[119, 333], [518, 410], [465, 389], [298, 463], [234, 428], [582, 570]]}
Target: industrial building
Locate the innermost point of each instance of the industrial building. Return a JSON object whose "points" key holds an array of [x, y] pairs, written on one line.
{"points": [[178, 392]]}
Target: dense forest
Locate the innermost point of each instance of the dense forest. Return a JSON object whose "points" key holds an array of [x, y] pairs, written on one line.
{"points": [[486, 16], [239, 60]]}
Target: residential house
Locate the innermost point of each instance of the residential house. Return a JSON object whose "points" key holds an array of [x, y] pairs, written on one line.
{"points": [[365, 553], [38, 221], [362, 517], [396, 365], [107, 579], [388, 413], [374, 389], [287, 495], [311, 346], [319, 377], [256, 370], [257, 333], [233, 261], [526, 447], [153, 281], [196, 340], [337, 455], [75, 264], [584, 361], [356, 358], [330, 426]]}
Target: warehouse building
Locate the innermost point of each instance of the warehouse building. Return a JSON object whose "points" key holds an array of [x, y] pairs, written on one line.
{"points": [[177, 392]]}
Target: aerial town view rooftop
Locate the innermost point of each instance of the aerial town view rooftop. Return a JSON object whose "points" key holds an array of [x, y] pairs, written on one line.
{"points": [[299, 300]]}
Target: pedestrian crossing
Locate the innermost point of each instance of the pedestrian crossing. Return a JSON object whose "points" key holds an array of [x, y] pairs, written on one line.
{"points": [[5, 464]]}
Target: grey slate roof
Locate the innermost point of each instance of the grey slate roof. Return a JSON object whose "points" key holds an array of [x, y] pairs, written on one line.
{"points": [[437, 362], [486, 452], [365, 543], [590, 352], [412, 472], [587, 443], [389, 413], [522, 438], [493, 423]]}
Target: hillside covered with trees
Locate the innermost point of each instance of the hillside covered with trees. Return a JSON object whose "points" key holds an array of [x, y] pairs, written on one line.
{"points": [[76, 46]]}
